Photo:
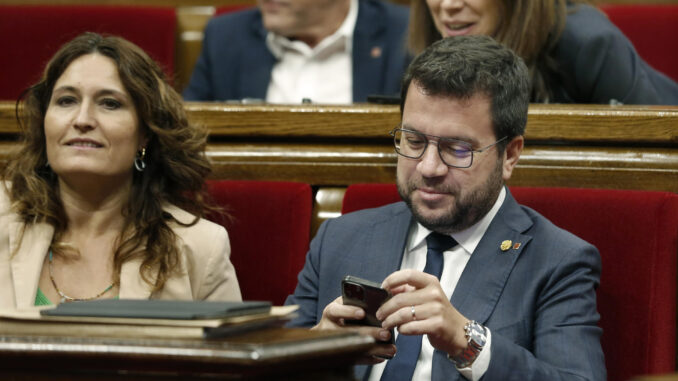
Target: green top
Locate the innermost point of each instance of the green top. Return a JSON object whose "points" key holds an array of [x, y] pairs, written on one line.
{"points": [[41, 299]]}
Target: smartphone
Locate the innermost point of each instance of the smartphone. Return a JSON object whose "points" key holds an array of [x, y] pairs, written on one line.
{"points": [[367, 295]]}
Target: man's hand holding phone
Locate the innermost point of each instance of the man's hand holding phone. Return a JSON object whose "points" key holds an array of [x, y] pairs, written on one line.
{"points": [[367, 295], [355, 310]]}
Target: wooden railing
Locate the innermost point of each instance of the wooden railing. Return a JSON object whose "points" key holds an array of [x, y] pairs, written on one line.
{"points": [[620, 147], [584, 146], [329, 147]]}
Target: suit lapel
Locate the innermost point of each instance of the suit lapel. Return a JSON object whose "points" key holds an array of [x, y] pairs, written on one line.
{"points": [[486, 273], [132, 286], [368, 51], [29, 255], [387, 250]]}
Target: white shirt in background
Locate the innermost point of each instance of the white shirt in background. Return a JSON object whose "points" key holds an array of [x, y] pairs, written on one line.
{"points": [[323, 74]]}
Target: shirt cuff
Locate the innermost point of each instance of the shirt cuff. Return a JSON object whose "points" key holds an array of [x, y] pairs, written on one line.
{"points": [[482, 362]]}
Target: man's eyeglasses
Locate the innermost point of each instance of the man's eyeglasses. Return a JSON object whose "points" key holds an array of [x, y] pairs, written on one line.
{"points": [[453, 152]]}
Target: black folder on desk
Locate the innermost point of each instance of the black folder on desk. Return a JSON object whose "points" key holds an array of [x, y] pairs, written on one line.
{"points": [[159, 309]]}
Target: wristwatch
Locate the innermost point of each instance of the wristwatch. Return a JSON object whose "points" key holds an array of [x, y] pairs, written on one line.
{"points": [[476, 335]]}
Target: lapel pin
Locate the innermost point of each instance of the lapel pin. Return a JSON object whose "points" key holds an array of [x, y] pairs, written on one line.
{"points": [[376, 52], [516, 246], [505, 245]]}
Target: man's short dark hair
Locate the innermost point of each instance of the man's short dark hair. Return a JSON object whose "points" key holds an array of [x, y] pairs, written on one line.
{"points": [[463, 66]]}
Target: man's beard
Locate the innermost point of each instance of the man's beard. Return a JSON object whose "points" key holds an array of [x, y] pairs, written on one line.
{"points": [[465, 211]]}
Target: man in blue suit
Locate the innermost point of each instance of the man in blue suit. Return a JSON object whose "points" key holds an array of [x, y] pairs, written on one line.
{"points": [[286, 51], [515, 298]]}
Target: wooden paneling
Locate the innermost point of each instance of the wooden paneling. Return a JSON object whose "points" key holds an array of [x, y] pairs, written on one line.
{"points": [[191, 22], [540, 165], [555, 123], [620, 147], [330, 147], [666, 377]]}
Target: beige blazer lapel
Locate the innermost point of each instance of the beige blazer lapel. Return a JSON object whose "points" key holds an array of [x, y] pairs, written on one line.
{"points": [[29, 255], [132, 286]]}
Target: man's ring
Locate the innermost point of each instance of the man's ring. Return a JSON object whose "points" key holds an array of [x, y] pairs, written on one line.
{"points": [[414, 316]]}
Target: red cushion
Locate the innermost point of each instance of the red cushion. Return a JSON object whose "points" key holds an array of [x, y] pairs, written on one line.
{"points": [[269, 232], [30, 35], [636, 233], [637, 236], [363, 196], [231, 8], [652, 29]]}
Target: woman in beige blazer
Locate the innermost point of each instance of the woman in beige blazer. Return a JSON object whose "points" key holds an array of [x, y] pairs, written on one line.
{"points": [[106, 196]]}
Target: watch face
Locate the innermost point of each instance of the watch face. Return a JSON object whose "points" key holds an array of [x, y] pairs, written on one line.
{"points": [[477, 330], [476, 334]]}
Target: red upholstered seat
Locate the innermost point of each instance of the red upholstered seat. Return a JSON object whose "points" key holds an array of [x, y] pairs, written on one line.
{"points": [[30, 35], [652, 29], [363, 196], [636, 233], [231, 8], [269, 232]]}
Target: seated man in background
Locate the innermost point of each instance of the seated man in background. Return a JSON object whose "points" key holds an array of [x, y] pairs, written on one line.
{"points": [[286, 51], [482, 286]]}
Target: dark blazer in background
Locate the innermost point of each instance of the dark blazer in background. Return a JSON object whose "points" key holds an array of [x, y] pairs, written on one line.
{"points": [[538, 299], [235, 62], [597, 63]]}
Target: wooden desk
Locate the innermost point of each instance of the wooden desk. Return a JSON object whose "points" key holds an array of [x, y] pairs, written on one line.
{"points": [[665, 377], [275, 354]]}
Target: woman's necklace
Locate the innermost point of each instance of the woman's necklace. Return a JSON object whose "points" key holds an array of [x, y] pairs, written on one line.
{"points": [[66, 298]]}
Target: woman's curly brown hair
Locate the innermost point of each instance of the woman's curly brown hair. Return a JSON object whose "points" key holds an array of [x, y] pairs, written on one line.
{"points": [[176, 164]]}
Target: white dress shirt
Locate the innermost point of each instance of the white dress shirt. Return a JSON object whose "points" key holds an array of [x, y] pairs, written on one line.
{"points": [[322, 74], [454, 262]]}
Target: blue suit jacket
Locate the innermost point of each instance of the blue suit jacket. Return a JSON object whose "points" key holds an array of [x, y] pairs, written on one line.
{"points": [[538, 300], [235, 62], [597, 63]]}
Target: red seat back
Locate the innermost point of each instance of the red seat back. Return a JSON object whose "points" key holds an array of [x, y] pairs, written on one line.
{"points": [[269, 230], [30, 35], [231, 8], [652, 29], [363, 196], [636, 233]]}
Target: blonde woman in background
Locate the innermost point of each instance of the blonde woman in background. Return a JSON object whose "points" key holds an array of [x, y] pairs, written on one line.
{"points": [[573, 51]]}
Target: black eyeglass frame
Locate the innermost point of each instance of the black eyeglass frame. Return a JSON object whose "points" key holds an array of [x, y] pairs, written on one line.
{"points": [[439, 138]]}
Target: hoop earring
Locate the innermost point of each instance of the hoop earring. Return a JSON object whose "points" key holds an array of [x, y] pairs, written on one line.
{"points": [[139, 163]]}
